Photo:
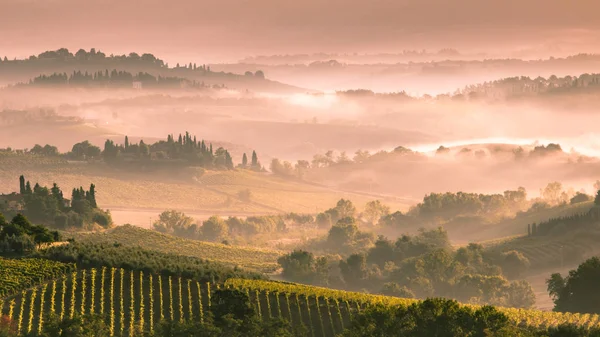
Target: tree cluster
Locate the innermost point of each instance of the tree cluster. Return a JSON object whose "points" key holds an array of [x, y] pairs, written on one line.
{"points": [[421, 266], [185, 150], [112, 79], [49, 206], [20, 236], [444, 318]]}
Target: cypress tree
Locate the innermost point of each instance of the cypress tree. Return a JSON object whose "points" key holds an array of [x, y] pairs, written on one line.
{"points": [[126, 142], [528, 229], [92, 196], [228, 160], [244, 160], [534, 229], [180, 141], [22, 184], [28, 188], [211, 151], [254, 159]]}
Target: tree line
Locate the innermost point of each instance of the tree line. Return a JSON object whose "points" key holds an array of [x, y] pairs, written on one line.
{"points": [[184, 150], [49, 206]]}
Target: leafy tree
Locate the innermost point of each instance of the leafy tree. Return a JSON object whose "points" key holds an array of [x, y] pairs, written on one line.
{"points": [[514, 264], [577, 291], [597, 199], [302, 266], [374, 210], [394, 289], [382, 252], [580, 197], [173, 222], [355, 270], [345, 208], [214, 229]]}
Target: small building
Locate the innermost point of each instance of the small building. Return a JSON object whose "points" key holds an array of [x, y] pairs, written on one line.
{"points": [[137, 85], [13, 201], [66, 203]]}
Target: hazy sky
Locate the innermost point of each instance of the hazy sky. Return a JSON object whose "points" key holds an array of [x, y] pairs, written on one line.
{"points": [[213, 30]]}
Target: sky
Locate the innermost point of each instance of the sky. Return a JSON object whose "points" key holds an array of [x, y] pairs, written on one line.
{"points": [[228, 30]]}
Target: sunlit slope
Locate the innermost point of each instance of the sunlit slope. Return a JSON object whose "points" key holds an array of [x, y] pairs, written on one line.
{"points": [[246, 257], [187, 189]]}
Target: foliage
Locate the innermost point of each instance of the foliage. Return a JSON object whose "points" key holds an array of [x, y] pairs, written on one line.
{"points": [[49, 206], [374, 210], [184, 151], [214, 229], [96, 255], [345, 237], [450, 205], [20, 236], [302, 266], [356, 303], [17, 275], [577, 292], [174, 222]]}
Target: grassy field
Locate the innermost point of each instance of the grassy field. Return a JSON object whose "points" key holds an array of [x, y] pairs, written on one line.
{"points": [[190, 190], [247, 257]]}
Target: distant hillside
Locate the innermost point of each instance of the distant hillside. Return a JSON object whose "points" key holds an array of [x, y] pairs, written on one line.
{"points": [[63, 61]]}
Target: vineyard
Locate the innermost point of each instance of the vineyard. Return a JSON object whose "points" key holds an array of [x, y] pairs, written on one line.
{"points": [[16, 275], [136, 301], [250, 258]]}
